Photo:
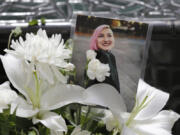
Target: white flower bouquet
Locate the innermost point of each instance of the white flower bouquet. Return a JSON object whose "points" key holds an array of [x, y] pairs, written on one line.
{"points": [[43, 100]]}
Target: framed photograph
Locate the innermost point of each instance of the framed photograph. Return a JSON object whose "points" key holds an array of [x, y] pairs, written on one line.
{"points": [[118, 43]]}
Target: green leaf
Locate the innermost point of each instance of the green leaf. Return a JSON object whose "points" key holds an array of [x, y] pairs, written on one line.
{"points": [[33, 22], [43, 21]]}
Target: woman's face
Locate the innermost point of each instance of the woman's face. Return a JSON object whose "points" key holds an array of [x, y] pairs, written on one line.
{"points": [[105, 39]]}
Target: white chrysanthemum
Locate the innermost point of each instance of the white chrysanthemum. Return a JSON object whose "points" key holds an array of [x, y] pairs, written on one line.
{"points": [[7, 96], [47, 55], [70, 67], [40, 48], [91, 54], [97, 70]]}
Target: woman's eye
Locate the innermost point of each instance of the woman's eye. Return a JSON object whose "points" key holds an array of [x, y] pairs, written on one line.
{"points": [[101, 35], [109, 35]]}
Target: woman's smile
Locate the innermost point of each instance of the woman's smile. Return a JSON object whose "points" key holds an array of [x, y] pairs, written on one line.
{"points": [[107, 43], [105, 40]]}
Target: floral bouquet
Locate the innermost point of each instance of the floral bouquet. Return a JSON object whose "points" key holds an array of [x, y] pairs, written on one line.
{"points": [[44, 100]]}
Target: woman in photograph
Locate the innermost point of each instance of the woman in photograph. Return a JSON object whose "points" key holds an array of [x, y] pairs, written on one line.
{"points": [[102, 41]]}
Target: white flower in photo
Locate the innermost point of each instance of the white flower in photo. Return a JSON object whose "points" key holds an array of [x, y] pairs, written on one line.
{"points": [[145, 119], [45, 54], [40, 96], [91, 54], [70, 67], [97, 70], [7, 96]]}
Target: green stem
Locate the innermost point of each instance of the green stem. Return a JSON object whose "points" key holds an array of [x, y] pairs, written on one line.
{"points": [[136, 110], [132, 116], [86, 81], [79, 115], [74, 76], [37, 93], [9, 40], [86, 117]]}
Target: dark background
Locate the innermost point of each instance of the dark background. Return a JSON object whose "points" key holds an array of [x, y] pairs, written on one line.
{"points": [[162, 68]]}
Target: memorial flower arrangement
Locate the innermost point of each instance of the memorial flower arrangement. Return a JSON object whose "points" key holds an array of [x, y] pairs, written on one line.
{"points": [[43, 101]]}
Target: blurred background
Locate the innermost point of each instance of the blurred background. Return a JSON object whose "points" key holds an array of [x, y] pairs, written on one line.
{"points": [[161, 62]]}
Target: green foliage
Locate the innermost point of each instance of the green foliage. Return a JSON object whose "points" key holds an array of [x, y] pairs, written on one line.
{"points": [[12, 125], [43, 130], [33, 22], [43, 21], [87, 116]]}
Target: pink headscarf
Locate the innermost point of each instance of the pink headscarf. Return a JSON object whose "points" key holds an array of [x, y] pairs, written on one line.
{"points": [[93, 39]]}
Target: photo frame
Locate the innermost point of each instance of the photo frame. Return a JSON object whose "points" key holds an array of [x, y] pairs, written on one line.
{"points": [[130, 39]]}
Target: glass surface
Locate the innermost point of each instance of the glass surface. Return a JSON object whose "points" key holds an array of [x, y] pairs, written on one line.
{"points": [[144, 10]]}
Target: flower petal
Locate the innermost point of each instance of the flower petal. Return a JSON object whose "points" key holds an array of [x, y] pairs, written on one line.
{"points": [[158, 125], [127, 131], [52, 132], [17, 72], [91, 54], [7, 96], [60, 77], [110, 121], [52, 121], [60, 95], [45, 72], [105, 95], [5, 85], [156, 100], [23, 109]]}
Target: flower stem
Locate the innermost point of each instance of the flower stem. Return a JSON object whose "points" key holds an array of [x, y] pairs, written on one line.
{"points": [[86, 117], [37, 93], [78, 115], [9, 40], [86, 81], [136, 110]]}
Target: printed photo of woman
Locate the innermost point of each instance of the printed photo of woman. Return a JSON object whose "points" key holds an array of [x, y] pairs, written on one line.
{"points": [[102, 41], [116, 53]]}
